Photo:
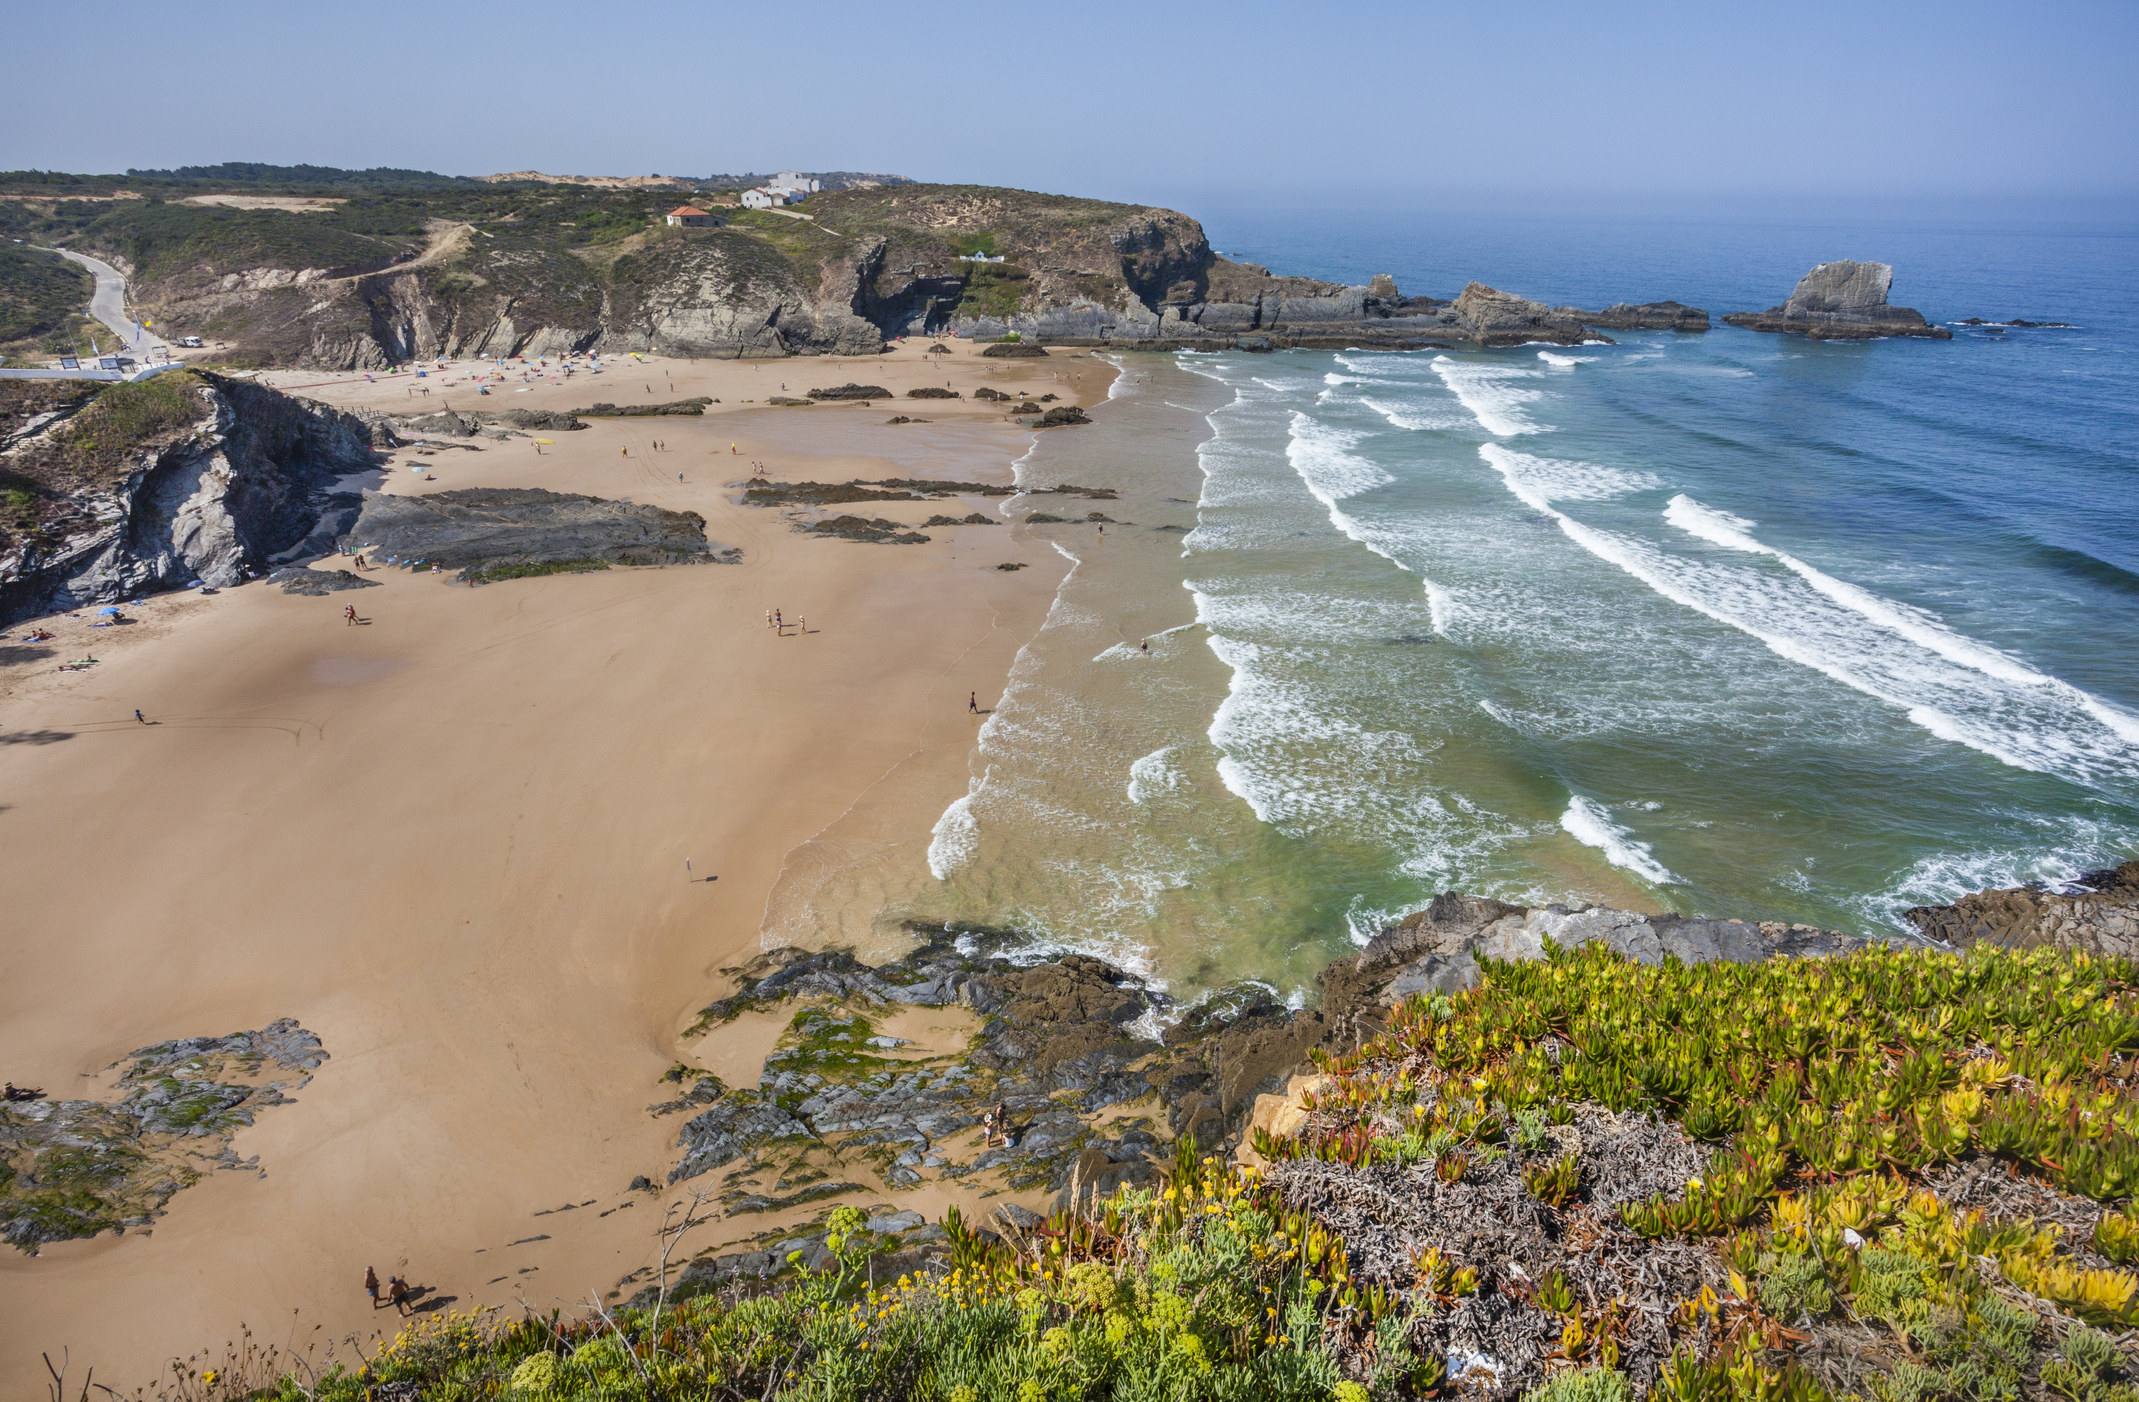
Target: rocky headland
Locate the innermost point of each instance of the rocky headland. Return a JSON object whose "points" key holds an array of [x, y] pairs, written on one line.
{"points": [[110, 492], [1842, 301], [497, 273]]}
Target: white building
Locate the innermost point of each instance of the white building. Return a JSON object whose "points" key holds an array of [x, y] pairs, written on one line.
{"points": [[764, 197], [793, 180]]}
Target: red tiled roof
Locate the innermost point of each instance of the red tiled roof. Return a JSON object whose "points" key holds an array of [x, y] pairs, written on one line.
{"points": [[685, 209]]}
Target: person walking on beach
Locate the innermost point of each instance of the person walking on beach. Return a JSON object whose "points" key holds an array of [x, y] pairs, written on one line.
{"points": [[397, 1291], [1001, 1116], [348, 615], [972, 703], [1145, 648], [140, 719], [371, 1285]]}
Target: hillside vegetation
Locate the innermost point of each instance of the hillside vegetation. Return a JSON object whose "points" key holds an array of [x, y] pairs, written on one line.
{"points": [[372, 268], [1890, 1177], [42, 297]]}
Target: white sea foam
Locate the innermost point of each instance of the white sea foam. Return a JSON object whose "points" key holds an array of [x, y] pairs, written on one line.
{"points": [[1587, 823], [955, 837], [1539, 480], [1493, 393], [1564, 362], [1154, 773], [1322, 455], [1919, 626], [1440, 607], [1419, 418], [1950, 686]]}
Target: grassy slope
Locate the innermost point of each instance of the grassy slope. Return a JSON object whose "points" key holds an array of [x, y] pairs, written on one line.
{"points": [[1835, 1092], [39, 292]]}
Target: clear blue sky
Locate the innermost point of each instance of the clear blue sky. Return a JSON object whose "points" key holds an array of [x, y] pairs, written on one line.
{"points": [[1164, 101]]}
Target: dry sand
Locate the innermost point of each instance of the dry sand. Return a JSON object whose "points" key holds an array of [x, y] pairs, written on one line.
{"points": [[452, 842]]}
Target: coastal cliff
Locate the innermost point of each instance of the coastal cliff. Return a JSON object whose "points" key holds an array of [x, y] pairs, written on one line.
{"points": [[110, 492], [366, 279]]}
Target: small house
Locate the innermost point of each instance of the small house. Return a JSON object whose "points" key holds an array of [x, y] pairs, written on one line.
{"points": [[764, 197], [690, 216], [794, 182]]}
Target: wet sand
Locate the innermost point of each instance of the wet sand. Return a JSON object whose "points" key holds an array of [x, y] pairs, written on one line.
{"points": [[451, 842]]}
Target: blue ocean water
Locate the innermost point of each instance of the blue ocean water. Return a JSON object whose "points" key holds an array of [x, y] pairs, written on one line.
{"points": [[1730, 623]]}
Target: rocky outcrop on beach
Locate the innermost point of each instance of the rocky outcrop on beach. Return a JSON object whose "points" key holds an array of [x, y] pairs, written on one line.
{"points": [[2098, 913], [73, 1168], [500, 532], [1071, 1047], [184, 479], [315, 584], [1842, 301], [1642, 316]]}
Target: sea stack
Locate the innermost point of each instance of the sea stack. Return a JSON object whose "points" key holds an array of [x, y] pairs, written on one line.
{"points": [[1843, 301]]}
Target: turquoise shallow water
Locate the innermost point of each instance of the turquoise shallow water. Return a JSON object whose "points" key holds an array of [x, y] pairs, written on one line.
{"points": [[1733, 623]]}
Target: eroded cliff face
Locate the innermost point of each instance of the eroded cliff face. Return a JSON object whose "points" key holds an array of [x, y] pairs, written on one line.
{"points": [[228, 480], [857, 267]]}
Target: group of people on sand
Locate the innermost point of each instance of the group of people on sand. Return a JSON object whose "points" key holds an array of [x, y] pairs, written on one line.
{"points": [[776, 621], [994, 1126], [15, 1092], [398, 1291]]}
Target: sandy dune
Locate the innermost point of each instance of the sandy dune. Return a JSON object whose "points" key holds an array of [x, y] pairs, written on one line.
{"points": [[452, 843]]}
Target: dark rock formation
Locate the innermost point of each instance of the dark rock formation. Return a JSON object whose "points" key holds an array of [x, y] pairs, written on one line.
{"points": [[484, 528], [74, 1168], [873, 529], [1436, 950], [1643, 316], [932, 392], [675, 407], [1487, 316], [851, 391], [1842, 301], [1063, 415], [296, 579], [1014, 350], [229, 479], [2100, 916], [974, 518], [1066, 1039], [544, 419]]}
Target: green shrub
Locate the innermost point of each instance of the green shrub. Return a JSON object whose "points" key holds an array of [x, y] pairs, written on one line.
{"points": [[1585, 1385]]}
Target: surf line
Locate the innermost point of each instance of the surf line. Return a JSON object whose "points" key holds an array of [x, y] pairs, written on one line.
{"points": [[1312, 445]]}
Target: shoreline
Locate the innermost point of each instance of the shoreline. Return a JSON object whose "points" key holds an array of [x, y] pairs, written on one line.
{"points": [[451, 844]]}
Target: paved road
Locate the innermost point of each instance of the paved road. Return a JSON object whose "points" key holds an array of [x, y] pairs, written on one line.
{"points": [[109, 307]]}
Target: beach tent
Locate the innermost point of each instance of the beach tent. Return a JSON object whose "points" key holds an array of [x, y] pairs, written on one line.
{"points": [[109, 608]]}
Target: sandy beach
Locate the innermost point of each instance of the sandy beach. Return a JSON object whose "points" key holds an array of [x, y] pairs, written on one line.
{"points": [[452, 843]]}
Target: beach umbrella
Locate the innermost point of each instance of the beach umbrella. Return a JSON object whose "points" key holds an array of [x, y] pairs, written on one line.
{"points": [[109, 608]]}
